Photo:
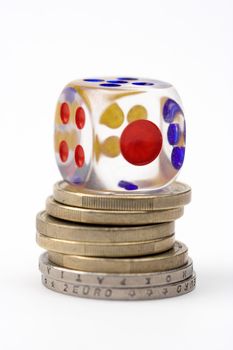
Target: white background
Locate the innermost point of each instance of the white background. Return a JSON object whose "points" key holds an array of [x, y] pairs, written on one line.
{"points": [[43, 46]]}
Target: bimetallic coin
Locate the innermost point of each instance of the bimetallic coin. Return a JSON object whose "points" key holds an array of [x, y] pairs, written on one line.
{"points": [[110, 217], [114, 293], [176, 195], [172, 259], [106, 249], [56, 272], [60, 229]]}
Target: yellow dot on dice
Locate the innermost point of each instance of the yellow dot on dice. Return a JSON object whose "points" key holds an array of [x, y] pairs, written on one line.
{"points": [[136, 113], [111, 147], [112, 117]]}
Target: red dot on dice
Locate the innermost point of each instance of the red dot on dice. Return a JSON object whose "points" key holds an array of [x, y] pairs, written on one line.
{"points": [[79, 156], [65, 113], [63, 151], [141, 142], [80, 117]]}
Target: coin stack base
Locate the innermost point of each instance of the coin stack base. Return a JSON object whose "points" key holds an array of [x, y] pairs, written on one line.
{"points": [[115, 247]]}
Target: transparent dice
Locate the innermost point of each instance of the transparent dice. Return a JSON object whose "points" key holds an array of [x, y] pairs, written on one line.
{"points": [[119, 134]]}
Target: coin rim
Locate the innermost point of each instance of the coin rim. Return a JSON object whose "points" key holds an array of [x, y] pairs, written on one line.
{"points": [[110, 217], [57, 228], [86, 198], [151, 263], [46, 267], [96, 249], [124, 291]]}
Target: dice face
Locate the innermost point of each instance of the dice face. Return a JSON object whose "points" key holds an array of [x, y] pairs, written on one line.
{"points": [[119, 134], [73, 136]]}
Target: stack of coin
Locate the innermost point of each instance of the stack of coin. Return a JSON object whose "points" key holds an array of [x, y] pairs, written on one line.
{"points": [[114, 246]]}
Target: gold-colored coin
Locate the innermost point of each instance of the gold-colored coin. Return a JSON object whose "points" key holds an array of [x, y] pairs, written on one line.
{"points": [[176, 195], [172, 259], [60, 229], [106, 249], [110, 217]]}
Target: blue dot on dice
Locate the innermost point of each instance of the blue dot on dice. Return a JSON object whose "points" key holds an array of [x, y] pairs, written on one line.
{"points": [[93, 80], [127, 185], [110, 85], [173, 134], [170, 109], [142, 83], [177, 157], [69, 94]]}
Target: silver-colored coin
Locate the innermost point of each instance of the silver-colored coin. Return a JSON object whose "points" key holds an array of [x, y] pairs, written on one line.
{"points": [[113, 293], [111, 217], [175, 195], [60, 229], [119, 280]]}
